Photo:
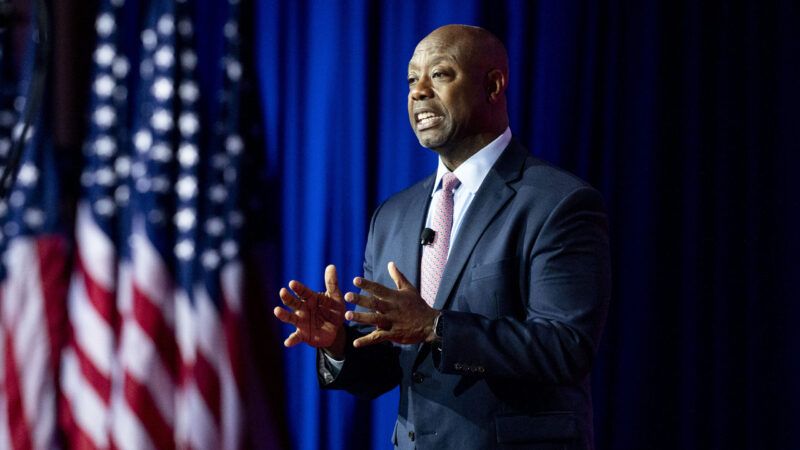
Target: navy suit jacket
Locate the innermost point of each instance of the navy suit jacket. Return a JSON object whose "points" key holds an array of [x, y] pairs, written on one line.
{"points": [[524, 297]]}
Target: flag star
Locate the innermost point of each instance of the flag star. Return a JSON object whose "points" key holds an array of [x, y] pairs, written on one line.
{"points": [[188, 91], [104, 55], [120, 93], [185, 219], [143, 185], [230, 175], [231, 29], [143, 140], [164, 57], [104, 85], [5, 146], [105, 146], [6, 118], [160, 184], [219, 161], [28, 174], [161, 153], [218, 193], [187, 154], [210, 259], [162, 89], [122, 194], [188, 59], [161, 120], [146, 68], [16, 199], [234, 144], [230, 249], [188, 124], [12, 229], [33, 217], [104, 176], [87, 178], [186, 187], [215, 226], [184, 249], [105, 116], [149, 39], [105, 24], [120, 66], [155, 216], [104, 207], [234, 70], [185, 28], [123, 166], [236, 218], [166, 24]]}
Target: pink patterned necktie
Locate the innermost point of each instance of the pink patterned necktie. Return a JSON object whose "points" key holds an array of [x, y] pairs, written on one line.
{"points": [[434, 256]]}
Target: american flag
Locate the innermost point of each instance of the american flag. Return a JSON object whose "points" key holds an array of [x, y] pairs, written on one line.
{"points": [[154, 359], [33, 276]]}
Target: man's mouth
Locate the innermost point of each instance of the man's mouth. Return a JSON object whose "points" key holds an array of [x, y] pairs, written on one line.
{"points": [[427, 119]]}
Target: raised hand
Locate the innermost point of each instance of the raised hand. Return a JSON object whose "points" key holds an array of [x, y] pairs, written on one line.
{"points": [[317, 316], [399, 315]]}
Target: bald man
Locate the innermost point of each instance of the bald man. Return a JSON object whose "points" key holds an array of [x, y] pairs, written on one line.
{"points": [[485, 286]]}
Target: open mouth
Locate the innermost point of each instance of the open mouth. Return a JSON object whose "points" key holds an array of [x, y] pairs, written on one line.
{"points": [[427, 119]]}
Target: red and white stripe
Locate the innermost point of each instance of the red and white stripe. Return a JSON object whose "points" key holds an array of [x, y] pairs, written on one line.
{"points": [[210, 406], [144, 404], [88, 359], [31, 334]]}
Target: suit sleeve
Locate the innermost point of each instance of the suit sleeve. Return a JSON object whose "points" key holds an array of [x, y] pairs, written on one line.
{"points": [[566, 305], [368, 371]]}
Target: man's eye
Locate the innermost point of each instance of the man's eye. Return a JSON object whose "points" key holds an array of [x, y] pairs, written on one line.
{"points": [[411, 81]]}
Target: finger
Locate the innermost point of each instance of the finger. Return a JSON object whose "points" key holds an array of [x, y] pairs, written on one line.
{"points": [[289, 300], [301, 290], [366, 301], [293, 339], [376, 289], [285, 316], [375, 319], [400, 280], [332, 282], [375, 337]]}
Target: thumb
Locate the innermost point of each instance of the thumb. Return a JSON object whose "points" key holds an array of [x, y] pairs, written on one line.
{"points": [[400, 280]]}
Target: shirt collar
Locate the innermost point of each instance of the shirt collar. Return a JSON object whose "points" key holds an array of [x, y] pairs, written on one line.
{"points": [[472, 171]]}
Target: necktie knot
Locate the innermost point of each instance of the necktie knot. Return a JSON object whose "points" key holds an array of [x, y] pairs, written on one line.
{"points": [[450, 182]]}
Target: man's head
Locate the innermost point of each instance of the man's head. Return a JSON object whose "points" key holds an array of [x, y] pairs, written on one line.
{"points": [[457, 80]]}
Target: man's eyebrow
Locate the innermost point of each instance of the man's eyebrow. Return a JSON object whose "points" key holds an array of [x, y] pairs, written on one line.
{"points": [[434, 61]]}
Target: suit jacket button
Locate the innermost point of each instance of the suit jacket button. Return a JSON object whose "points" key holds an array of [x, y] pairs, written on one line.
{"points": [[411, 436], [417, 377]]}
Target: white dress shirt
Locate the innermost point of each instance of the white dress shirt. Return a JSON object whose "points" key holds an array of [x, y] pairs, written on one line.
{"points": [[471, 174]]}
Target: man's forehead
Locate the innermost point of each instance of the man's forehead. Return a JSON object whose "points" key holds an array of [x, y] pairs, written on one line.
{"points": [[433, 50]]}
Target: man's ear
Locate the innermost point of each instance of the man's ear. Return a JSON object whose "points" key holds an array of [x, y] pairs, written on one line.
{"points": [[495, 84]]}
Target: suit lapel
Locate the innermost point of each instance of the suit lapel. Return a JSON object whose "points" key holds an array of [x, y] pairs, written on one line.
{"points": [[412, 223], [491, 197]]}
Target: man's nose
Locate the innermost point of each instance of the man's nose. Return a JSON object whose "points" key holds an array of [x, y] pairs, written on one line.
{"points": [[422, 89]]}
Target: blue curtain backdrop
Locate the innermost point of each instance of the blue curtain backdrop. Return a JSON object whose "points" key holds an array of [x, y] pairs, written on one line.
{"points": [[682, 113]]}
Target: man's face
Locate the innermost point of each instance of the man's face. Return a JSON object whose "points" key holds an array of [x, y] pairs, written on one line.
{"points": [[445, 97]]}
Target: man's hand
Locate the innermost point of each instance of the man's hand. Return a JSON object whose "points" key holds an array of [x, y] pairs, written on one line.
{"points": [[400, 315], [317, 316]]}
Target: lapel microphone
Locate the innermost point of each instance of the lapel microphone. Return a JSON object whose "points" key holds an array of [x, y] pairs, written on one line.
{"points": [[426, 237]]}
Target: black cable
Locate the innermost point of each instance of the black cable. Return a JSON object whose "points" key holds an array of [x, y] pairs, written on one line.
{"points": [[34, 97]]}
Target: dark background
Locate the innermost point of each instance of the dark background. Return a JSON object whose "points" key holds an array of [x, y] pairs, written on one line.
{"points": [[683, 113]]}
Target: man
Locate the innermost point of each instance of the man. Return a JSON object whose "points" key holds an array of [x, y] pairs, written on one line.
{"points": [[495, 348]]}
